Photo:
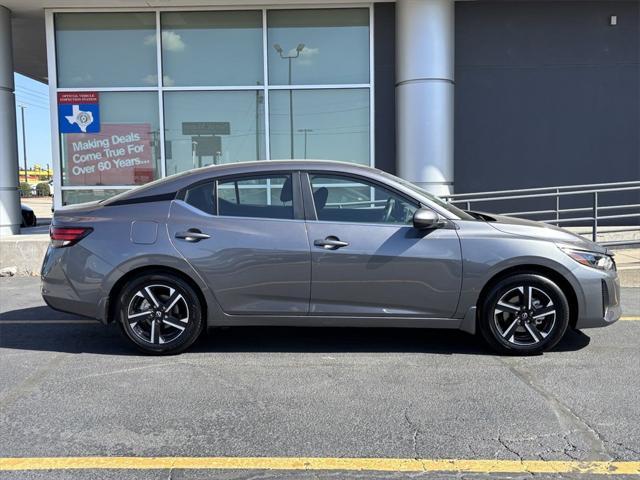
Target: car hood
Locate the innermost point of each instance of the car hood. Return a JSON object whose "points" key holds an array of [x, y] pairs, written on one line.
{"points": [[539, 230]]}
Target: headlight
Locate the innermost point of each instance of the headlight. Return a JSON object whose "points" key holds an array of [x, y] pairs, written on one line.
{"points": [[601, 261]]}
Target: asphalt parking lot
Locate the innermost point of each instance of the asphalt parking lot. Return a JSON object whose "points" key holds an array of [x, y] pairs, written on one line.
{"points": [[70, 387]]}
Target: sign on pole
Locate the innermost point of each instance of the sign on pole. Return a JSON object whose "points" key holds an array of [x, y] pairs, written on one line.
{"points": [[206, 128]]}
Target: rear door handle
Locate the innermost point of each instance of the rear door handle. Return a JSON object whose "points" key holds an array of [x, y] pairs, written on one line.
{"points": [[330, 243], [192, 235]]}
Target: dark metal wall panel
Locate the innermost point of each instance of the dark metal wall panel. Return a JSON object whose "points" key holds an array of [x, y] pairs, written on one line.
{"points": [[385, 99], [547, 93]]}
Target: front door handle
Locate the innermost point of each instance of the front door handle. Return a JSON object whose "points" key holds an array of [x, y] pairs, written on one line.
{"points": [[330, 243], [192, 235]]}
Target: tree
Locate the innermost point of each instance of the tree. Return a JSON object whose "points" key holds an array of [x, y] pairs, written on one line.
{"points": [[43, 189], [25, 189]]}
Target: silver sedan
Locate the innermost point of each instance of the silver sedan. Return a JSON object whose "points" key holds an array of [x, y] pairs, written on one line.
{"points": [[318, 243]]}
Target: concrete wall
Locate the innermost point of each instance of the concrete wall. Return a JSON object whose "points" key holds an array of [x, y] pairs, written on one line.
{"points": [[547, 93]]}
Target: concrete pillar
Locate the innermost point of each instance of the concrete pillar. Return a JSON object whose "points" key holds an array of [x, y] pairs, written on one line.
{"points": [[10, 216], [424, 92]]}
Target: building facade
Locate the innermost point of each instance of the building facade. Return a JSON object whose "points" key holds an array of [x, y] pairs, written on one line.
{"points": [[455, 96]]}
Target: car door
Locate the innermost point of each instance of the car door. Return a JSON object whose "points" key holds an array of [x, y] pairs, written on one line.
{"points": [[245, 235], [368, 260]]}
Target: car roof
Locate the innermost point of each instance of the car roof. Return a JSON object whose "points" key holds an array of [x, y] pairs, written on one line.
{"points": [[179, 181], [166, 188], [295, 164]]}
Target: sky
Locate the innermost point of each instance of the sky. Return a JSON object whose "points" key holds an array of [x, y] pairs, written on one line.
{"points": [[35, 97]]}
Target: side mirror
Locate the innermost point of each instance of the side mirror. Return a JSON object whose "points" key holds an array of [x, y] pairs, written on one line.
{"points": [[425, 218]]}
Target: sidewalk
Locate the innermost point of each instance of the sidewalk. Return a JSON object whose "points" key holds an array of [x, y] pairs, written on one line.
{"points": [[628, 262]]}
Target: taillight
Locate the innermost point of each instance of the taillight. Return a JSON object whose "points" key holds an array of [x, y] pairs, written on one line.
{"points": [[67, 236]]}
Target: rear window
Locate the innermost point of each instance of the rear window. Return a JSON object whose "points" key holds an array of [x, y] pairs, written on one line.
{"points": [[262, 196], [259, 196]]}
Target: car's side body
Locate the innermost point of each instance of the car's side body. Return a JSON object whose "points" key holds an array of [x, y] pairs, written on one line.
{"points": [[256, 271]]}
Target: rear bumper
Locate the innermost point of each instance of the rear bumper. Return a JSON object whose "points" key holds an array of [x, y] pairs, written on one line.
{"points": [[80, 292]]}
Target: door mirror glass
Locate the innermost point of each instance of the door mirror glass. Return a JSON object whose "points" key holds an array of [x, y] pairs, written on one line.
{"points": [[425, 218]]}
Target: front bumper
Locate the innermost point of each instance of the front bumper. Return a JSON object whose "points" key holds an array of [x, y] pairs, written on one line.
{"points": [[601, 293]]}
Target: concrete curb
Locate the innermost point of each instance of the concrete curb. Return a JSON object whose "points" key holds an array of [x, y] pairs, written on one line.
{"points": [[24, 253]]}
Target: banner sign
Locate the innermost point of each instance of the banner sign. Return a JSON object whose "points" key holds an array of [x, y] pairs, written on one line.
{"points": [[121, 154], [206, 128], [78, 112]]}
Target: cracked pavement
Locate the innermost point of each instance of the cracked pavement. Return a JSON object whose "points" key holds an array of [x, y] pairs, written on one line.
{"points": [[80, 390]]}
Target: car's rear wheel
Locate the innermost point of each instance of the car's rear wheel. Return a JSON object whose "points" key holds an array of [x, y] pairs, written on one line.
{"points": [[524, 314], [160, 313]]}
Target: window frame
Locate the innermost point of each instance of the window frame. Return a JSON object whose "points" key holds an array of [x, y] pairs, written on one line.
{"points": [[159, 88], [297, 201], [311, 215]]}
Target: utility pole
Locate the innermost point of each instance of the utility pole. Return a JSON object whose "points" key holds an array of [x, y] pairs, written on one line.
{"points": [[24, 145]]}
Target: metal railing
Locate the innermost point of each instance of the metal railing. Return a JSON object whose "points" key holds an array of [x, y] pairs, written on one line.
{"points": [[595, 194]]}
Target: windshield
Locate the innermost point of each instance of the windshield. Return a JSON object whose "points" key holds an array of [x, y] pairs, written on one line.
{"points": [[461, 214]]}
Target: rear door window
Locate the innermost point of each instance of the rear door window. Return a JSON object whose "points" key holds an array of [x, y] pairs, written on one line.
{"points": [[261, 196]]}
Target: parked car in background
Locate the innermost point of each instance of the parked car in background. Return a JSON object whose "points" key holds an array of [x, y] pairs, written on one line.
{"points": [[28, 217], [317, 243]]}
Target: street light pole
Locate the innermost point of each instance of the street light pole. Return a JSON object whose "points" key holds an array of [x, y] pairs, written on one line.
{"points": [[24, 145], [290, 113], [305, 131], [299, 49]]}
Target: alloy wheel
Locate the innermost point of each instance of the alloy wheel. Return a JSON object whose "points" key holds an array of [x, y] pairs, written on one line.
{"points": [[524, 315], [158, 314]]}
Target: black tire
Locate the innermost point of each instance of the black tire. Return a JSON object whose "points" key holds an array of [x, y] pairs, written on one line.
{"points": [[149, 324], [535, 329]]}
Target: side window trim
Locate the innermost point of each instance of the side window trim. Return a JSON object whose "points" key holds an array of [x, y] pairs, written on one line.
{"points": [[310, 213], [309, 204]]}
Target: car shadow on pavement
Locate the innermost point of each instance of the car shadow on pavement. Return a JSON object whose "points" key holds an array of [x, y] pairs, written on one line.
{"points": [[24, 330]]}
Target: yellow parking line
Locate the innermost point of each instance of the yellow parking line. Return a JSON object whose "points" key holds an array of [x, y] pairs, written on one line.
{"points": [[318, 463], [630, 318]]}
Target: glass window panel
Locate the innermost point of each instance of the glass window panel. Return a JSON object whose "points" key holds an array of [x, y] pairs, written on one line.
{"points": [[323, 46], [265, 196], [212, 48], [71, 197], [206, 128], [106, 49], [126, 151], [326, 124], [201, 197], [346, 199]]}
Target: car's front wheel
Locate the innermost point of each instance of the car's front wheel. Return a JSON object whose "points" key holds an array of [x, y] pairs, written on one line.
{"points": [[160, 313], [524, 314]]}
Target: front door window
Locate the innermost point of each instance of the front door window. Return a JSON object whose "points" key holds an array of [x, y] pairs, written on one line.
{"points": [[349, 199]]}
